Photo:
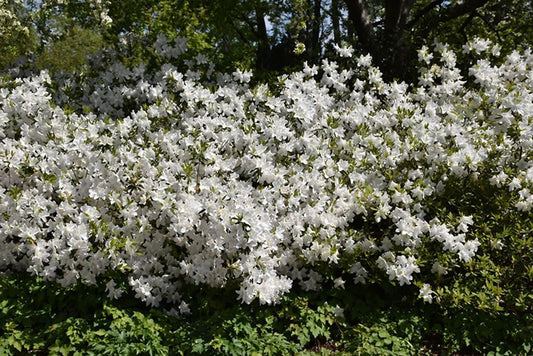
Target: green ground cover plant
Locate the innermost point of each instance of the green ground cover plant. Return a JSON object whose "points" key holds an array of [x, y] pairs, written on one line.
{"points": [[36, 320]]}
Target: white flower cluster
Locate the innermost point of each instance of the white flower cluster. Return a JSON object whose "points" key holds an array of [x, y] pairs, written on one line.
{"points": [[156, 181], [11, 23], [167, 50]]}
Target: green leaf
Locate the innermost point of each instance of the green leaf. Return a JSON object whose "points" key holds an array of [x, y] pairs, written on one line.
{"points": [[17, 345], [383, 334]]}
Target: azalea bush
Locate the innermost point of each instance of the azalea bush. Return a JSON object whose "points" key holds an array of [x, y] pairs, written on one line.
{"points": [[159, 178]]}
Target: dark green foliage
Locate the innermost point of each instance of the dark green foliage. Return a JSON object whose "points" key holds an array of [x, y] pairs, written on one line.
{"points": [[70, 52], [262, 35], [40, 318]]}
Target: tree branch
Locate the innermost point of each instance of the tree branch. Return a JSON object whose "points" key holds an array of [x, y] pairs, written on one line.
{"points": [[490, 25], [239, 32], [423, 12], [459, 10], [250, 24], [465, 23]]}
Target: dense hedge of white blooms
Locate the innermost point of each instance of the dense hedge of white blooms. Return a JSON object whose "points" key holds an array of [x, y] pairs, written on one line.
{"points": [[164, 179]]}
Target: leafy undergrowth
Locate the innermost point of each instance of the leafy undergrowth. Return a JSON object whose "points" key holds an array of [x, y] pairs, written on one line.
{"points": [[39, 318]]}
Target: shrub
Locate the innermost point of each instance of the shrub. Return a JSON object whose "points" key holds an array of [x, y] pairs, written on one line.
{"points": [[155, 179]]}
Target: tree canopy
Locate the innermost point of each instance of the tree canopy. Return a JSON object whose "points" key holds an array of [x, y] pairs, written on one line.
{"points": [[267, 36]]}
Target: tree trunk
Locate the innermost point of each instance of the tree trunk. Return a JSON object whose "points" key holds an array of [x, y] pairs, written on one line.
{"points": [[335, 21], [263, 48], [314, 50], [360, 20], [395, 51]]}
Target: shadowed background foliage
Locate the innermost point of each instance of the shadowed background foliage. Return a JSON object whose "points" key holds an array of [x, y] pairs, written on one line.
{"points": [[262, 35]]}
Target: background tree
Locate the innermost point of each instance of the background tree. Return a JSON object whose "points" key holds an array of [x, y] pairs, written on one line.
{"points": [[16, 38], [71, 49], [398, 28], [262, 35]]}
